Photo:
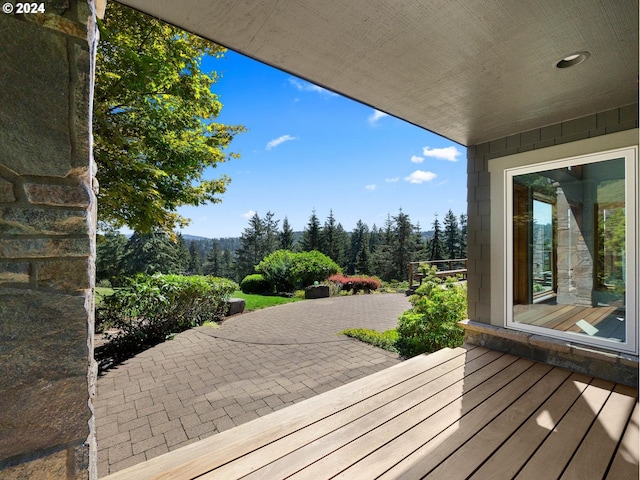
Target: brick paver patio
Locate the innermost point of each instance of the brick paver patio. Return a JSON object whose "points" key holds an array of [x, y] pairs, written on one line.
{"points": [[208, 380]]}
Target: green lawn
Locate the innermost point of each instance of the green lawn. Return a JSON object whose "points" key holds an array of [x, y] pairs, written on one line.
{"points": [[256, 302]]}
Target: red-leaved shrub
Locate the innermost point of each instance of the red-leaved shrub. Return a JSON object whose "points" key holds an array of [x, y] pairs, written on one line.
{"points": [[356, 284]]}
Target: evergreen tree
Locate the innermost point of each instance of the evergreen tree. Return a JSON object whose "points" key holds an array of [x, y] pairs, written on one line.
{"points": [[451, 235], [258, 240], [195, 261], [183, 254], [227, 269], [359, 253], [331, 239], [286, 235], [109, 251], [311, 235], [382, 257], [463, 236], [405, 245], [152, 253], [436, 249], [213, 264]]}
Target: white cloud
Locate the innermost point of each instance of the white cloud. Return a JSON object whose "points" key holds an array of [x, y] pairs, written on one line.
{"points": [[376, 115], [420, 176], [371, 187], [417, 159], [392, 180], [310, 87], [249, 214], [277, 141], [449, 153]]}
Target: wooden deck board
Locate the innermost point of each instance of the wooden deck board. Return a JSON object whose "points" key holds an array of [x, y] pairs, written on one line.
{"points": [[460, 413], [625, 462]]}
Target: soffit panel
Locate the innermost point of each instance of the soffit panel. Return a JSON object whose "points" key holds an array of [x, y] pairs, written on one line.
{"points": [[470, 70]]}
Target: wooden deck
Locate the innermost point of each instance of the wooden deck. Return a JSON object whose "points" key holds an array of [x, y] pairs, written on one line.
{"points": [[608, 321], [464, 413]]}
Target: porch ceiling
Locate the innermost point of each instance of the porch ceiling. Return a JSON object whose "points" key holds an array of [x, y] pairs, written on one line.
{"points": [[470, 70]]}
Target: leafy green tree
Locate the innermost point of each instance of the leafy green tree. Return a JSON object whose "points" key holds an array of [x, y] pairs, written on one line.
{"points": [[286, 235], [154, 134], [436, 249], [451, 235], [311, 234]]}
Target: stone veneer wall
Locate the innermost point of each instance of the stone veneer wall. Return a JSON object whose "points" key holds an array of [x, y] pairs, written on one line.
{"points": [[478, 191], [47, 243]]}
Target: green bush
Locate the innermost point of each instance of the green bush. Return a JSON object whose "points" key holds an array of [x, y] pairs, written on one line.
{"points": [[256, 284], [431, 323], [150, 309], [386, 340], [289, 271]]}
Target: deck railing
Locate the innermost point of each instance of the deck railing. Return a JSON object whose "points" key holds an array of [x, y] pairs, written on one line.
{"points": [[446, 268]]}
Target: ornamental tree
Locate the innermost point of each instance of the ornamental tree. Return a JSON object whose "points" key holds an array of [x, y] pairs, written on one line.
{"points": [[154, 129]]}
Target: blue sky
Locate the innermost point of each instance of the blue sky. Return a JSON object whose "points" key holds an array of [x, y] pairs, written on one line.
{"points": [[307, 148]]}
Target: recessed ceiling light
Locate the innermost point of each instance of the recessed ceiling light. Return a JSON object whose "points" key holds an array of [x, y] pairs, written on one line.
{"points": [[573, 59]]}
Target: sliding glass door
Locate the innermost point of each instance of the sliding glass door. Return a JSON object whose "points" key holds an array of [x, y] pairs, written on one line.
{"points": [[572, 232]]}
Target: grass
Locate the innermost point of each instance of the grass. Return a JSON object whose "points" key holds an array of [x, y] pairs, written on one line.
{"points": [[256, 302], [102, 292], [386, 340]]}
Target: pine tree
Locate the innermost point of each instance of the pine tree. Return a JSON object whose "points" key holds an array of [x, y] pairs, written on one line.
{"points": [[463, 236], [359, 252], [109, 250], [286, 235], [332, 239], [152, 253], [436, 250], [195, 261], [451, 235], [212, 265], [257, 241], [311, 235]]}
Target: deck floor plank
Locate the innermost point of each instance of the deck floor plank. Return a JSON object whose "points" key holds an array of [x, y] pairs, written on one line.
{"points": [[482, 444], [436, 443], [625, 463], [513, 454], [592, 458], [440, 409], [318, 441], [553, 455]]}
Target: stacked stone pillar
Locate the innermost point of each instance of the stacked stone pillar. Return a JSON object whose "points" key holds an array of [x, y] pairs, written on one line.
{"points": [[47, 243]]}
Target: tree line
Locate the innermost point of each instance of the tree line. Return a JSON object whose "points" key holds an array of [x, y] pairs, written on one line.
{"points": [[381, 251]]}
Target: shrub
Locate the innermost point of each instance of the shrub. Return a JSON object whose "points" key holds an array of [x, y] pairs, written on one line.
{"points": [[386, 340], [151, 308], [431, 323], [289, 271], [356, 284], [256, 284]]}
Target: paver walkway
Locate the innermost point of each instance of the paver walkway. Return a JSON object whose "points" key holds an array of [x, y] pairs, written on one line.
{"points": [[208, 380]]}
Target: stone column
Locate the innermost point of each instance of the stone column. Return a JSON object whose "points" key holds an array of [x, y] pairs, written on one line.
{"points": [[47, 243]]}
